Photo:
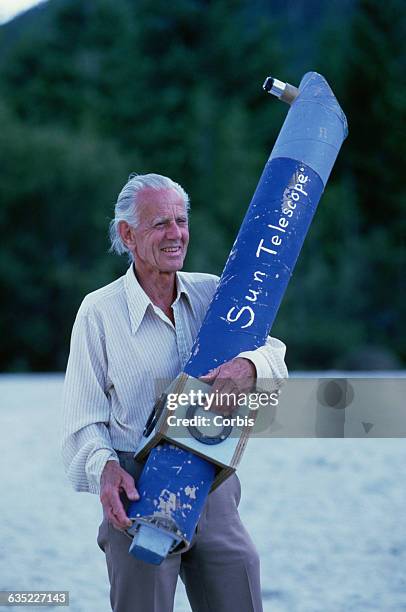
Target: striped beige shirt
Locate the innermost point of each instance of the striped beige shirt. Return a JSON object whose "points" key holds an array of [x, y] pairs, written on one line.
{"points": [[124, 352]]}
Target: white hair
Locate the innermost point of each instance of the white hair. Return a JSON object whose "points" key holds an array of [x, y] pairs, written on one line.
{"points": [[126, 208]]}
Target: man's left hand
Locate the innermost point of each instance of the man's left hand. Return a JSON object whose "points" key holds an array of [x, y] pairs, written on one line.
{"points": [[237, 377]]}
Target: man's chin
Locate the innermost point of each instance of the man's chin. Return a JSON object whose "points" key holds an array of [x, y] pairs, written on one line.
{"points": [[172, 267], [172, 264]]}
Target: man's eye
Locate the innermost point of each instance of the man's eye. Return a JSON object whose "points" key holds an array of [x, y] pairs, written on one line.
{"points": [[182, 221], [159, 225]]}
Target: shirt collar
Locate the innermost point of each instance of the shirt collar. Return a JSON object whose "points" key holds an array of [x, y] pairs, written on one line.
{"points": [[183, 289], [138, 301]]}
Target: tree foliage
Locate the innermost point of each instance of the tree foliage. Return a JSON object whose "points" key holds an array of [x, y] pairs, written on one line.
{"points": [[100, 89]]}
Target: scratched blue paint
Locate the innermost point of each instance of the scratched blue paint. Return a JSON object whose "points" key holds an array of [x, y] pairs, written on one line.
{"points": [[174, 483], [253, 283]]}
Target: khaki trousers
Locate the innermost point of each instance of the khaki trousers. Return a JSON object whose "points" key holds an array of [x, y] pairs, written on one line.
{"points": [[220, 570]]}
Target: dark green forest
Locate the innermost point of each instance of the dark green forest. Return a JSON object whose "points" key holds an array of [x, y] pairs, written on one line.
{"points": [[93, 90]]}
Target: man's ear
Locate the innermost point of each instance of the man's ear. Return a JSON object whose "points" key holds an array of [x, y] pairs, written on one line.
{"points": [[127, 234]]}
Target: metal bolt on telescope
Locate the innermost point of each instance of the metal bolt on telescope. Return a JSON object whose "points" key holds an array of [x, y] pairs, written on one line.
{"points": [[284, 91]]}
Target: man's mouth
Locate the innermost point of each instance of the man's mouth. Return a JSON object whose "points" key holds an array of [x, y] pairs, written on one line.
{"points": [[171, 249]]}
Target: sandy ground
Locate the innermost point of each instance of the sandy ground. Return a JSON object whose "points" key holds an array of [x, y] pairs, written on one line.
{"points": [[327, 515]]}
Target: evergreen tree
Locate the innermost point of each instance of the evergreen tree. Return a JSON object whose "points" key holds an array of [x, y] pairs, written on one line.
{"points": [[57, 192], [95, 90]]}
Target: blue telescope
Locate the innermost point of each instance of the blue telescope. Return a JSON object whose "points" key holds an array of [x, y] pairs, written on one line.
{"points": [[244, 307]]}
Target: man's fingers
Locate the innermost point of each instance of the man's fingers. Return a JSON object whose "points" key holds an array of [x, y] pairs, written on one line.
{"points": [[118, 511], [117, 522], [129, 488], [226, 395], [210, 376], [120, 519], [115, 479], [115, 509], [111, 517], [228, 381]]}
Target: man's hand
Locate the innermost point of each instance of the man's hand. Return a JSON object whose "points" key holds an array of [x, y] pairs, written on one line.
{"points": [[113, 481], [237, 376]]}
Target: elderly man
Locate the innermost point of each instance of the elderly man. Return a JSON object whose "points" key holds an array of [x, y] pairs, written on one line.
{"points": [[127, 336]]}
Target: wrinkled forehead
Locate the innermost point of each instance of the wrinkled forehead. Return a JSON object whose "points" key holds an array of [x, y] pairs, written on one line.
{"points": [[154, 203]]}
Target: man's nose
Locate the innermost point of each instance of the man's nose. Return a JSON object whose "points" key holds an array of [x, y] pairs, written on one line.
{"points": [[173, 231]]}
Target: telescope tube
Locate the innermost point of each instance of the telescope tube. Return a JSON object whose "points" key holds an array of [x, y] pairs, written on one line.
{"points": [[268, 244], [251, 287]]}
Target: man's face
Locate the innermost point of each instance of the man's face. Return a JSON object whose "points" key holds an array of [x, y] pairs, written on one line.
{"points": [[162, 235]]}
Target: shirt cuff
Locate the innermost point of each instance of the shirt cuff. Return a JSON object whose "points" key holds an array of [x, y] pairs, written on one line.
{"points": [[269, 364], [95, 466]]}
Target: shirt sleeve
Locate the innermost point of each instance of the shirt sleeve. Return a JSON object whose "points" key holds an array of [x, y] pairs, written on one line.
{"points": [[86, 444], [269, 361]]}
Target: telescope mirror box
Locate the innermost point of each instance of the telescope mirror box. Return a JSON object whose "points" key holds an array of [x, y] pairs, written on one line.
{"points": [[206, 433]]}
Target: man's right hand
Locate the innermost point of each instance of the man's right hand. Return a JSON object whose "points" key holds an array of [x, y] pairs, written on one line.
{"points": [[113, 481]]}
